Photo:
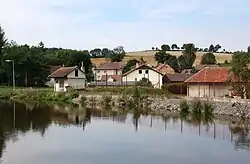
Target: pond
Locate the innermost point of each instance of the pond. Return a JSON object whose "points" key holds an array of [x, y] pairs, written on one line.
{"points": [[42, 133]]}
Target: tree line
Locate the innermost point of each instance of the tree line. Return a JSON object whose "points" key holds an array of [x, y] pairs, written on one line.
{"points": [[175, 47]]}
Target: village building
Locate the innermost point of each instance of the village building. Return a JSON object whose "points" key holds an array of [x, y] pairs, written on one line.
{"points": [[210, 82], [143, 71], [165, 69], [51, 81], [65, 77], [110, 68], [112, 78], [175, 78]]}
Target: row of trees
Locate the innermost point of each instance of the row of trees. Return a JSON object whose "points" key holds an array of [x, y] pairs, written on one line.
{"points": [[173, 47]]}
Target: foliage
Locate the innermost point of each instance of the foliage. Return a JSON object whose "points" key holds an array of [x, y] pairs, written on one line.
{"points": [[216, 48], [184, 107], [175, 47], [3, 42], [211, 48], [106, 99], [240, 69], [144, 82], [226, 62], [83, 99], [207, 108], [248, 49], [129, 65], [163, 57], [92, 101], [208, 58], [176, 88], [186, 60], [117, 54], [197, 107], [165, 47], [97, 52]]}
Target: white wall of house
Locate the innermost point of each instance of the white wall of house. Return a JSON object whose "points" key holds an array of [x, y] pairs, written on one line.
{"points": [[137, 75], [100, 73], [208, 90], [76, 82]]}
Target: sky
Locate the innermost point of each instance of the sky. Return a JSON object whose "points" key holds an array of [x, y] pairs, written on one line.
{"points": [[133, 24]]}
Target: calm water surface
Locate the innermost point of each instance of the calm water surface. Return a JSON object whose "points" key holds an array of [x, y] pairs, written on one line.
{"points": [[32, 133]]}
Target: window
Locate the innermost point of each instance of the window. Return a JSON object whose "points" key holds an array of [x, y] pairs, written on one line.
{"points": [[76, 73], [146, 71], [105, 71], [140, 71], [61, 83]]}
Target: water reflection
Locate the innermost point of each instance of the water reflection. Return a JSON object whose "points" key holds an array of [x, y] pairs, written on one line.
{"points": [[21, 117]]}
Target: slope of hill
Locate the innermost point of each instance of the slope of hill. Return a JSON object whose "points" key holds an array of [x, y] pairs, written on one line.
{"points": [[148, 56]]}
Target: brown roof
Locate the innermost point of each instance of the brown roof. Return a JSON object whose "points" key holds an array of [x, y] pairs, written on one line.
{"points": [[142, 66], [211, 75], [115, 77], [111, 66], [178, 77], [62, 72]]}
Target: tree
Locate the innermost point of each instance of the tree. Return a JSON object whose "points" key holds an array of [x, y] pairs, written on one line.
{"points": [[165, 47], [240, 69], [186, 60], [248, 49], [97, 52], [153, 48], [205, 49], [3, 42], [129, 65], [163, 57], [216, 48], [211, 48], [208, 58], [117, 54], [174, 47], [105, 52]]}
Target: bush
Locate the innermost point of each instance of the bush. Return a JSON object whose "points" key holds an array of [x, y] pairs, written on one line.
{"points": [[83, 99], [106, 99], [144, 82], [184, 107], [207, 108], [176, 88], [197, 107]]}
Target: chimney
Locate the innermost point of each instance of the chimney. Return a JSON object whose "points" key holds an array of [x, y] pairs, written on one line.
{"points": [[82, 67]]}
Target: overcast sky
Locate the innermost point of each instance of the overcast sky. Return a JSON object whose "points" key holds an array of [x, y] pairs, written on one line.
{"points": [[134, 24]]}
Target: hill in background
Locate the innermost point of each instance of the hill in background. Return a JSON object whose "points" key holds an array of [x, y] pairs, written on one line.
{"points": [[148, 56]]}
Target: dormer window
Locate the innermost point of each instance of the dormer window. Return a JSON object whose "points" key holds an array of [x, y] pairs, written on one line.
{"points": [[76, 73], [140, 71]]}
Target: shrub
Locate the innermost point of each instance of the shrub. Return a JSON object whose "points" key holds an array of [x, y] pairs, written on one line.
{"points": [[144, 82], [92, 101], [106, 99], [184, 107], [83, 99], [197, 107], [207, 108]]}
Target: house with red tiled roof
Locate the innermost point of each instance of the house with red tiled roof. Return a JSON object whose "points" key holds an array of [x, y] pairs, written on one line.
{"points": [[164, 69], [210, 82], [143, 71], [109, 68], [65, 77]]}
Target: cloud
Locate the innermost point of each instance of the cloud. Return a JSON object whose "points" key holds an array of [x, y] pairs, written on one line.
{"points": [[135, 24]]}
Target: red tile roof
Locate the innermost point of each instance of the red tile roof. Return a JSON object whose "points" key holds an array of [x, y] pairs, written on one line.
{"points": [[140, 67], [115, 77], [111, 66], [62, 72], [211, 75]]}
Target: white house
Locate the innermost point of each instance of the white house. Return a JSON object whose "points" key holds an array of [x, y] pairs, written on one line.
{"points": [[68, 77], [110, 68], [143, 71], [51, 81], [210, 82]]}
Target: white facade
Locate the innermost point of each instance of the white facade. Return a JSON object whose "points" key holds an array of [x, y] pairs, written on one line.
{"points": [[76, 82], [100, 73], [138, 74], [208, 90]]}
